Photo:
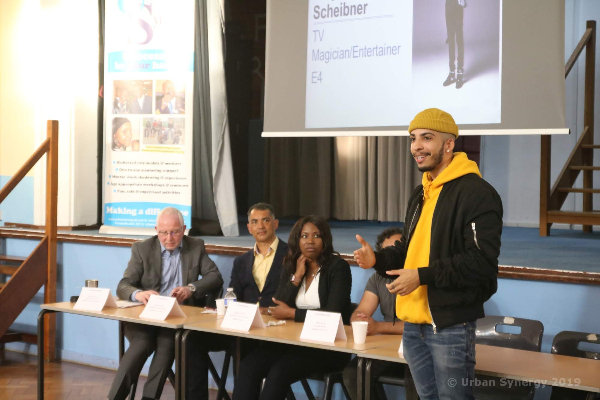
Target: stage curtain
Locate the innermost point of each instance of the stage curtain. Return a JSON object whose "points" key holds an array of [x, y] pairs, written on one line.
{"points": [[213, 189], [298, 175], [348, 178], [374, 178]]}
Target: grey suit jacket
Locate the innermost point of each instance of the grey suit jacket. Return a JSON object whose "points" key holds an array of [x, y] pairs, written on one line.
{"points": [[144, 270]]}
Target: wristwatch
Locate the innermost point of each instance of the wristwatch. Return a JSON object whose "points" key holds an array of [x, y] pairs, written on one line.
{"points": [[191, 287], [293, 278]]}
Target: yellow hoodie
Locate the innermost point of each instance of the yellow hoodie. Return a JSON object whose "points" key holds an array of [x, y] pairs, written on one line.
{"points": [[414, 307]]}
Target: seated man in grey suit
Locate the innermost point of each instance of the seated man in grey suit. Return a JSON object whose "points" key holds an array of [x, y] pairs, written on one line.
{"points": [[168, 265], [254, 279], [377, 294]]}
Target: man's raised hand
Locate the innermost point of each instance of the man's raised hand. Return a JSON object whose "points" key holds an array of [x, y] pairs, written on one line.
{"points": [[365, 257]]}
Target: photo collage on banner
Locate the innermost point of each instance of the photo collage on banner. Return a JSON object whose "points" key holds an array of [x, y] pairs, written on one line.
{"points": [[148, 122]]}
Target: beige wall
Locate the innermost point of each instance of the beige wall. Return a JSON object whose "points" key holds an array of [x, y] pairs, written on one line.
{"points": [[49, 71], [16, 108]]}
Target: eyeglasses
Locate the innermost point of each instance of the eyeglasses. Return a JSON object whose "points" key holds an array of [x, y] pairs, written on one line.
{"points": [[169, 233]]}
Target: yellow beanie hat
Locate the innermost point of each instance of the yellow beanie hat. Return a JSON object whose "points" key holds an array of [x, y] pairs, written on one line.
{"points": [[434, 119]]}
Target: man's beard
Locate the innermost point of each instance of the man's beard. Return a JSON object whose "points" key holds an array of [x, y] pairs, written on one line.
{"points": [[437, 160]]}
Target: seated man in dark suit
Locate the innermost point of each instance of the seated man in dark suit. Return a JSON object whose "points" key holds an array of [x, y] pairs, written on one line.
{"points": [[168, 265], [377, 294], [254, 279], [255, 274]]}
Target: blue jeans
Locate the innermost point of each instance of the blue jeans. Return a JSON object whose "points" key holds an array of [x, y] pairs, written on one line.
{"points": [[442, 364]]}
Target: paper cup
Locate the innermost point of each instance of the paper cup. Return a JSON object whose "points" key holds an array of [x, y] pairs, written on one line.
{"points": [[220, 306], [359, 331]]}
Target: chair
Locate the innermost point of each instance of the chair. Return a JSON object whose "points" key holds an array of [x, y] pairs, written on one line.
{"points": [[395, 380], [208, 301], [290, 394], [330, 380], [530, 338], [566, 343]]}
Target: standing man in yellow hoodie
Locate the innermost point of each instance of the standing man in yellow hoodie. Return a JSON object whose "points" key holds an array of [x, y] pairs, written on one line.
{"points": [[446, 262]]}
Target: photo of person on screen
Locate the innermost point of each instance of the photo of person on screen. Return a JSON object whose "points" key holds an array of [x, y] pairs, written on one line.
{"points": [[456, 44]]}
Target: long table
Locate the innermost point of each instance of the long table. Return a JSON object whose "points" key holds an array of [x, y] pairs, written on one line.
{"points": [[502, 362], [288, 333], [536, 367], [132, 315]]}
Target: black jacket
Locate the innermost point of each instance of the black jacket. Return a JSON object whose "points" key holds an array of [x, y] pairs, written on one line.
{"points": [[464, 249], [243, 283], [335, 284]]}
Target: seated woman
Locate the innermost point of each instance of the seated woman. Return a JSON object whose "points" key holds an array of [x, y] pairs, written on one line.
{"points": [[313, 277]]}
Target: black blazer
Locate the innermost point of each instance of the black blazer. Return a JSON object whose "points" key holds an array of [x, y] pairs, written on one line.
{"points": [[335, 284], [243, 283]]}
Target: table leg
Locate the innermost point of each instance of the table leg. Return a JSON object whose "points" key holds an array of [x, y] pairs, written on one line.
{"points": [[368, 379], [178, 367], [182, 379], [40, 353], [237, 356], [359, 378], [121, 339]]}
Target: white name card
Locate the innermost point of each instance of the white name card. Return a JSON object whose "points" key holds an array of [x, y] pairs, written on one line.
{"points": [[242, 316], [322, 326], [94, 299], [161, 307]]}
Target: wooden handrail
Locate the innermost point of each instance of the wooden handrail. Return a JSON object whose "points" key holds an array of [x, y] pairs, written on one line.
{"points": [[567, 176], [40, 267], [578, 49], [25, 283], [51, 222], [551, 198], [588, 118], [35, 157]]}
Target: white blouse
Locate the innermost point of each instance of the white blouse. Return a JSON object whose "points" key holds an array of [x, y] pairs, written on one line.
{"points": [[309, 299]]}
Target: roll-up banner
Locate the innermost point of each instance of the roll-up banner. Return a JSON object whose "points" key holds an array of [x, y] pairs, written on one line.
{"points": [[148, 89]]}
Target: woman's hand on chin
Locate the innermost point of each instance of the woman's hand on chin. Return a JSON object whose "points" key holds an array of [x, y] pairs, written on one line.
{"points": [[301, 266]]}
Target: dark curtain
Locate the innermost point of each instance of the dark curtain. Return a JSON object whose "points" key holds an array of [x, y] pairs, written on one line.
{"points": [[299, 175], [348, 178], [203, 203]]}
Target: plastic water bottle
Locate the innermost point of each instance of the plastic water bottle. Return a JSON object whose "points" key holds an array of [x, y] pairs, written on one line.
{"points": [[229, 296]]}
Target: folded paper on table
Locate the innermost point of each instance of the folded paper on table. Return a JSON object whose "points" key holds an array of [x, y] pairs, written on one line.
{"points": [[94, 299], [323, 326], [161, 307], [242, 316]]}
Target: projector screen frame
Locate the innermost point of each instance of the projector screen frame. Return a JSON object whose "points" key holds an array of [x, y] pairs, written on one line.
{"points": [[285, 90], [465, 132]]}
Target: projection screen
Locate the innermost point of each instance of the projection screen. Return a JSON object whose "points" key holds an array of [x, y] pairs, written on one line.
{"points": [[366, 67]]}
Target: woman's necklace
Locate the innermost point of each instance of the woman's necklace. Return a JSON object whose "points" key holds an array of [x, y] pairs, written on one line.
{"points": [[316, 273], [312, 275]]}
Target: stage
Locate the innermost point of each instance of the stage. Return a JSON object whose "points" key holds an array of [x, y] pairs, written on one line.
{"points": [[565, 256]]}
